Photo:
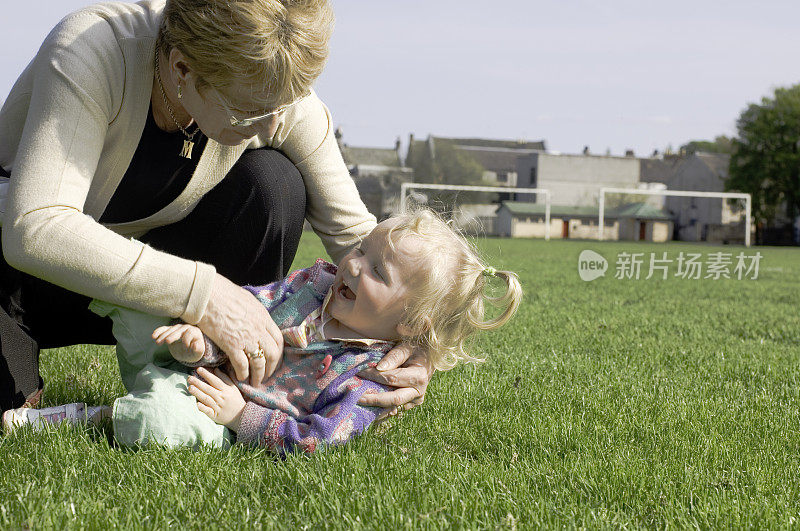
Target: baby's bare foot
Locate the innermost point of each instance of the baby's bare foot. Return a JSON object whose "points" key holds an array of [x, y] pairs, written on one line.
{"points": [[186, 354]]}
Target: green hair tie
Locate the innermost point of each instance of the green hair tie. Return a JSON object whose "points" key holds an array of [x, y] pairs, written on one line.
{"points": [[489, 271]]}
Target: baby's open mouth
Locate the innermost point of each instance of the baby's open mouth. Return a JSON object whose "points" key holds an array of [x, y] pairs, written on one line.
{"points": [[346, 292]]}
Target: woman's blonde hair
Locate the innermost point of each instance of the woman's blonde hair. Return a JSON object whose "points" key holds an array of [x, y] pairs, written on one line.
{"points": [[278, 47], [446, 305]]}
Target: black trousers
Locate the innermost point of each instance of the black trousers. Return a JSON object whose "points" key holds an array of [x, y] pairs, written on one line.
{"points": [[248, 227]]}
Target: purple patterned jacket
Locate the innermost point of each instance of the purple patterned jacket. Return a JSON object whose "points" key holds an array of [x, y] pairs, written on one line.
{"points": [[311, 399]]}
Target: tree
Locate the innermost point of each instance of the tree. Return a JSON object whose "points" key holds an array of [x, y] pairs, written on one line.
{"points": [[447, 165], [766, 155], [721, 144]]}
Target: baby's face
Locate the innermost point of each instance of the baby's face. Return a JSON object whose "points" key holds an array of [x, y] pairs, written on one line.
{"points": [[372, 285]]}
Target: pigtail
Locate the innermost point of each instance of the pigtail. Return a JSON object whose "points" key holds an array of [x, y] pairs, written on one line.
{"points": [[509, 300]]}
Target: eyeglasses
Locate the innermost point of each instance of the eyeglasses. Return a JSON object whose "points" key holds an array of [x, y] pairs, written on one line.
{"points": [[250, 120]]}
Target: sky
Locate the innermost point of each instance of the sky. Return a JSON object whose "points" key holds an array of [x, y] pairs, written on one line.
{"points": [[612, 75]]}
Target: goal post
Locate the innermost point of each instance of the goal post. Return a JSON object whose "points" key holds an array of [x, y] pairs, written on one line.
{"points": [[405, 187], [676, 193]]}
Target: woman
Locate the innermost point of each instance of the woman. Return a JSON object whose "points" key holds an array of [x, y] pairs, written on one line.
{"points": [[141, 146]]}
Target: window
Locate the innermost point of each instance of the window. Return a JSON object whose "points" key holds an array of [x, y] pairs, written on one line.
{"points": [[502, 177], [533, 177]]}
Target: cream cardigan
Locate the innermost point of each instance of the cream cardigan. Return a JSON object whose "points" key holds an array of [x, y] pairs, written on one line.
{"points": [[68, 131]]}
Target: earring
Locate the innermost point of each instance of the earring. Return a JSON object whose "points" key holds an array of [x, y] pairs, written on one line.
{"points": [[180, 92]]}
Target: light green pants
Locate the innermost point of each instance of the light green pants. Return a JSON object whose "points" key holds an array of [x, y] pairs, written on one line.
{"points": [[158, 407]]}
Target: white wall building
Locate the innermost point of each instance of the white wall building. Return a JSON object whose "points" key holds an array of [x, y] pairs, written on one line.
{"points": [[575, 180]]}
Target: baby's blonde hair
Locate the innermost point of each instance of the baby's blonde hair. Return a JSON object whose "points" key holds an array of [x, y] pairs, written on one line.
{"points": [[446, 304], [278, 47]]}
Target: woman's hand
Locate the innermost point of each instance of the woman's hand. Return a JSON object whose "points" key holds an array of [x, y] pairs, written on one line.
{"points": [[406, 368], [240, 325], [218, 397]]}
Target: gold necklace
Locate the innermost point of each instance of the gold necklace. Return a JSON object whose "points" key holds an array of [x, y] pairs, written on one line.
{"points": [[188, 143]]}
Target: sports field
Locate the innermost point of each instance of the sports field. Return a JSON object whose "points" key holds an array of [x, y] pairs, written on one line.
{"points": [[610, 403]]}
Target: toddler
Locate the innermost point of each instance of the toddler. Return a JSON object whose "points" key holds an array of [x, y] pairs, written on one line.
{"points": [[412, 279]]}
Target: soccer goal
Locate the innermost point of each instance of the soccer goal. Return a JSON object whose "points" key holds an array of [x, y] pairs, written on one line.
{"points": [[405, 188], [676, 193]]}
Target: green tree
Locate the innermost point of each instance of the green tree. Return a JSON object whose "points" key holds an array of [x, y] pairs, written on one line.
{"points": [[447, 165], [618, 200], [721, 144], [766, 155]]}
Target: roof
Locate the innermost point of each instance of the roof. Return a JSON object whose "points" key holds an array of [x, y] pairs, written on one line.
{"points": [[537, 145], [494, 155], [665, 170], [718, 163], [370, 156], [657, 170], [493, 160], [416, 147], [633, 210], [532, 209]]}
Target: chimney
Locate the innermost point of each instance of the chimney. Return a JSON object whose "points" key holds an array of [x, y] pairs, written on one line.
{"points": [[397, 145], [410, 147]]}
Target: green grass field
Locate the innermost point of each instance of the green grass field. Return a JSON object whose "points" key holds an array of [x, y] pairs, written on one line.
{"points": [[612, 403]]}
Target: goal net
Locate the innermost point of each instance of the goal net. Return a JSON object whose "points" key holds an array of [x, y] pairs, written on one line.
{"points": [[676, 193]]}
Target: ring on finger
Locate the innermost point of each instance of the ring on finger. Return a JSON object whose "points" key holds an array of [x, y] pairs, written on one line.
{"points": [[255, 355]]}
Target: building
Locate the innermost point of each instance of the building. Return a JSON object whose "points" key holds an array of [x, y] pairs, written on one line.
{"points": [[498, 158], [699, 218], [635, 221], [643, 222], [378, 174], [575, 180], [523, 219]]}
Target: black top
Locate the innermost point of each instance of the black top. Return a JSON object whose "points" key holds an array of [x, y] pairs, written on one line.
{"points": [[157, 175]]}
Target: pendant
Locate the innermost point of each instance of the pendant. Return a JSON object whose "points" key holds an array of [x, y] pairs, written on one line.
{"points": [[188, 146]]}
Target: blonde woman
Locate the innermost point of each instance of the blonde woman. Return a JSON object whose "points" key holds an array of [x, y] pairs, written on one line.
{"points": [[158, 154]]}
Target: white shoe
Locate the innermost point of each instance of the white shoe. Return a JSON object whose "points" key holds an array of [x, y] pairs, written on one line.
{"points": [[14, 418], [37, 418]]}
